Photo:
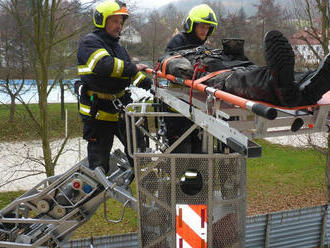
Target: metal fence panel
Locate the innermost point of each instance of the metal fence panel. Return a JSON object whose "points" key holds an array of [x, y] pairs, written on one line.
{"points": [[293, 228], [129, 240]]}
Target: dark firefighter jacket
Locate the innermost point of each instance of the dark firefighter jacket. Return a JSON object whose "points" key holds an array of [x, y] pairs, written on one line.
{"points": [[183, 40], [106, 70], [192, 48]]}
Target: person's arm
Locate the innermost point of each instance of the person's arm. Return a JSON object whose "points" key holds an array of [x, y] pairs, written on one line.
{"points": [[95, 59], [176, 42]]}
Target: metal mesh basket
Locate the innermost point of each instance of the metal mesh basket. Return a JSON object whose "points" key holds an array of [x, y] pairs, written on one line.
{"points": [[171, 187]]}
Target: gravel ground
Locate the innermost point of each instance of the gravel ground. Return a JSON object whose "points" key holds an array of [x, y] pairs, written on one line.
{"points": [[276, 201], [20, 159]]}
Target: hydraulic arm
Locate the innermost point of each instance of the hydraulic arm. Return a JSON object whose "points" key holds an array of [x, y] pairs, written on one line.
{"points": [[47, 215]]}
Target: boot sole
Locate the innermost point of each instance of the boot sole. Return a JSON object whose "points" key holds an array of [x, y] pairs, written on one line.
{"points": [[278, 51], [280, 58]]}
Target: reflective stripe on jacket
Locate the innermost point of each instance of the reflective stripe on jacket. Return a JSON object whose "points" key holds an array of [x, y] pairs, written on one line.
{"points": [[100, 115], [105, 69], [103, 64]]}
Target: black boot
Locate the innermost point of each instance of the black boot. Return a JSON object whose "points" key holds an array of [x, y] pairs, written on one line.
{"points": [[317, 84], [280, 58]]}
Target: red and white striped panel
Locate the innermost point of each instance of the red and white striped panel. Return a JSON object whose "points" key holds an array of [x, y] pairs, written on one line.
{"points": [[191, 226]]}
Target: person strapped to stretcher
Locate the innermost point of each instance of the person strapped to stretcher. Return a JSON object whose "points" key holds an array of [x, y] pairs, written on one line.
{"points": [[275, 83]]}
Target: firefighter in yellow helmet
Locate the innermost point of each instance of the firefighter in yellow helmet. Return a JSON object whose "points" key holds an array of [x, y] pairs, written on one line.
{"points": [[198, 26], [276, 83], [106, 70]]}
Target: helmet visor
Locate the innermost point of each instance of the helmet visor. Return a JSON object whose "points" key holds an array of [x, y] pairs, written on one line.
{"points": [[210, 18], [207, 20], [123, 10]]}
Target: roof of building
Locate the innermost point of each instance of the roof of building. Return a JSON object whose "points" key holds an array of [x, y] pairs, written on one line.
{"points": [[303, 35]]}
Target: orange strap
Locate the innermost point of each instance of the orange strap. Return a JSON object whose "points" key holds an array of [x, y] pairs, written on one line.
{"points": [[165, 63], [208, 76], [239, 101]]}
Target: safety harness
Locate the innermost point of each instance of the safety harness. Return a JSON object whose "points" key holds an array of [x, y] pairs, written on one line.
{"points": [[94, 111]]}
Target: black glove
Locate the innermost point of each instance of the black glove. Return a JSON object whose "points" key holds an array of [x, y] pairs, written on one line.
{"points": [[146, 83], [126, 99]]}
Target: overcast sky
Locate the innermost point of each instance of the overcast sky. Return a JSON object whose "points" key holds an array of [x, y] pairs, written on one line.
{"points": [[150, 4], [153, 3]]}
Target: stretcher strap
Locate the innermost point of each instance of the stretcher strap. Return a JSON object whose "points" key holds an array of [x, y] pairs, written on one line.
{"points": [[156, 68], [198, 67], [166, 61], [210, 75]]}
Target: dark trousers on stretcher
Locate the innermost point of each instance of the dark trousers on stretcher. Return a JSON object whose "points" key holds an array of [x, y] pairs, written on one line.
{"points": [[258, 83]]}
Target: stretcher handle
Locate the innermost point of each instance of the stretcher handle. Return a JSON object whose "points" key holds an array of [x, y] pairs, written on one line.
{"points": [[257, 108], [264, 111]]}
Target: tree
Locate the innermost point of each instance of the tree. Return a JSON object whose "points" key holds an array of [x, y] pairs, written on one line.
{"points": [[155, 34], [269, 16], [64, 56], [313, 15], [42, 34], [235, 24], [173, 18], [15, 65]]}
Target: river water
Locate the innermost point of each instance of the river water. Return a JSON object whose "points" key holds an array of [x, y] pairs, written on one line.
{"points": [[30, 95]]}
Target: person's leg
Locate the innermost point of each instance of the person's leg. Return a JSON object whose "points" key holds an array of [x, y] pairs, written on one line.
{"points": [[253, 82], [316, 84], [100, 138], [280, 58], [175, 128], [120, 132], [273, 83], [196, 141]]}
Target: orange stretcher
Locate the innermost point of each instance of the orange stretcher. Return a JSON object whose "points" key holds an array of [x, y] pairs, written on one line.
{"points": [[266, 120]]}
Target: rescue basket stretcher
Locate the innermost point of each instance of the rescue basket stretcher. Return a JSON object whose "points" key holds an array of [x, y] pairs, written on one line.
{"points": [[236, 120]]}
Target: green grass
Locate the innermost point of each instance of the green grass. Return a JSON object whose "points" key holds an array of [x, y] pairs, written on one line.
{"points": [[7, 197], [23, 128], [98, 225], [283, 167]]}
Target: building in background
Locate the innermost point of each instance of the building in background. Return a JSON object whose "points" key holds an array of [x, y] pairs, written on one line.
{"points": [[303, 44], [130, 35]]}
